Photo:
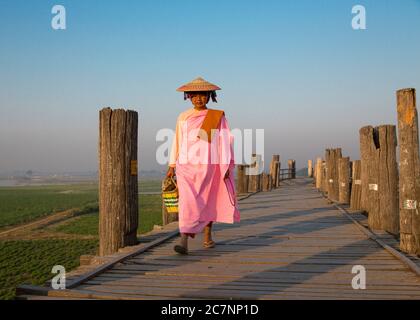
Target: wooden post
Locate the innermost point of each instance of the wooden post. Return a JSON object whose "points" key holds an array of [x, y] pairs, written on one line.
{"points": [[409, 184], [381, 177], [310, 169], [356, 187], [332, 172], [265, 182], [324, 181], [118, 184], [278, 177], [253, 181], [240, 182], [388, 179], [369, 144], [344, 180], [364, 162], [246, 178], [260, 169], [292, 169], [327, 161], [274, 169], [318, 175]]}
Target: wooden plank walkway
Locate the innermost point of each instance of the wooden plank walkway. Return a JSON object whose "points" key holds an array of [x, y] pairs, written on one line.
{"points": [[290, 244]]}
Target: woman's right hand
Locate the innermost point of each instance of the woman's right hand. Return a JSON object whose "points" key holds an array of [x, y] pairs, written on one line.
{"points": [[171, 172]]}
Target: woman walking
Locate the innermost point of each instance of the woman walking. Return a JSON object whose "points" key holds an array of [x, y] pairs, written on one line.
{"points": [[202, 159]]}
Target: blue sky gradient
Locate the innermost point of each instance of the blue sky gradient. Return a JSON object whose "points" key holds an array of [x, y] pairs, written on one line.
{"points": [[295, 68]]}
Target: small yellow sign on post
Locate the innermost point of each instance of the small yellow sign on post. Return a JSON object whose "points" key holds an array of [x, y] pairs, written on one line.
{"points": [[133, 167]]}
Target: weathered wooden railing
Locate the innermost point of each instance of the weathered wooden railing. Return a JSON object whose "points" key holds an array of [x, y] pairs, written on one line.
{"points": [[286, 174], [373, 184]]}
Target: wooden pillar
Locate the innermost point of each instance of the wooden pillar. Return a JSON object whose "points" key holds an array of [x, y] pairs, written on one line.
{"points": [[118, 183], [274, 169], [253, 181], [409, 184], [364, 162], [265, 182], [310, 169], [260, 169], [270, 182], [332, 172], [240, 180], [356, 187], [318, 175], [327, 161], [369, 143], [374, 218], [344, 180], [324, 181], [292, 169], [388, 179], [246, 178], [278, 176], [381, 176]]}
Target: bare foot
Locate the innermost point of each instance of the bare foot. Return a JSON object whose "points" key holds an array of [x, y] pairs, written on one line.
{"points": [[208, 241]]}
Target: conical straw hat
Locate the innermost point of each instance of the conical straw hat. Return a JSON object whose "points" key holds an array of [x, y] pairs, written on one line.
{"points": [[198, 84]]}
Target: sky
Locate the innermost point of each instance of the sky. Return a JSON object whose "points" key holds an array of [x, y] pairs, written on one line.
{"points": [[296, 69]]}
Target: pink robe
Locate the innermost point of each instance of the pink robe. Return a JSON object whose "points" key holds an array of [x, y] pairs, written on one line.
{"points": [[204, 195]]}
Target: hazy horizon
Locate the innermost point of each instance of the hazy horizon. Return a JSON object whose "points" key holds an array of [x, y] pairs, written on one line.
{"points": [[293, 68]]}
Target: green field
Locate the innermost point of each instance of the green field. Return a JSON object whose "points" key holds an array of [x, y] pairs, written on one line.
{"points": [[23, 204], [31, 261], [150, 207], [150, 185]]}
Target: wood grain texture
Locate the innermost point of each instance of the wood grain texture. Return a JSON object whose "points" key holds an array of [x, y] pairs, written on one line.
{"points": [[388, 179], [253, 177], [344, 180], [118, 186], [380, 177], [324, 184], [310, 169], [240, 179], [365, 143], [318, 173], [265, 182], [409, 177], [356, 187], [291, 163], [274, 170], [332, 156]]}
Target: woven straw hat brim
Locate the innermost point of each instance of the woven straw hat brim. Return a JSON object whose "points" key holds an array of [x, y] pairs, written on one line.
{"points": [[198, 84]]}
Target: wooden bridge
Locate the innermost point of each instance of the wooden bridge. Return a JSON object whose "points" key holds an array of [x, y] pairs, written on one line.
{"points": [[292, 243]]}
